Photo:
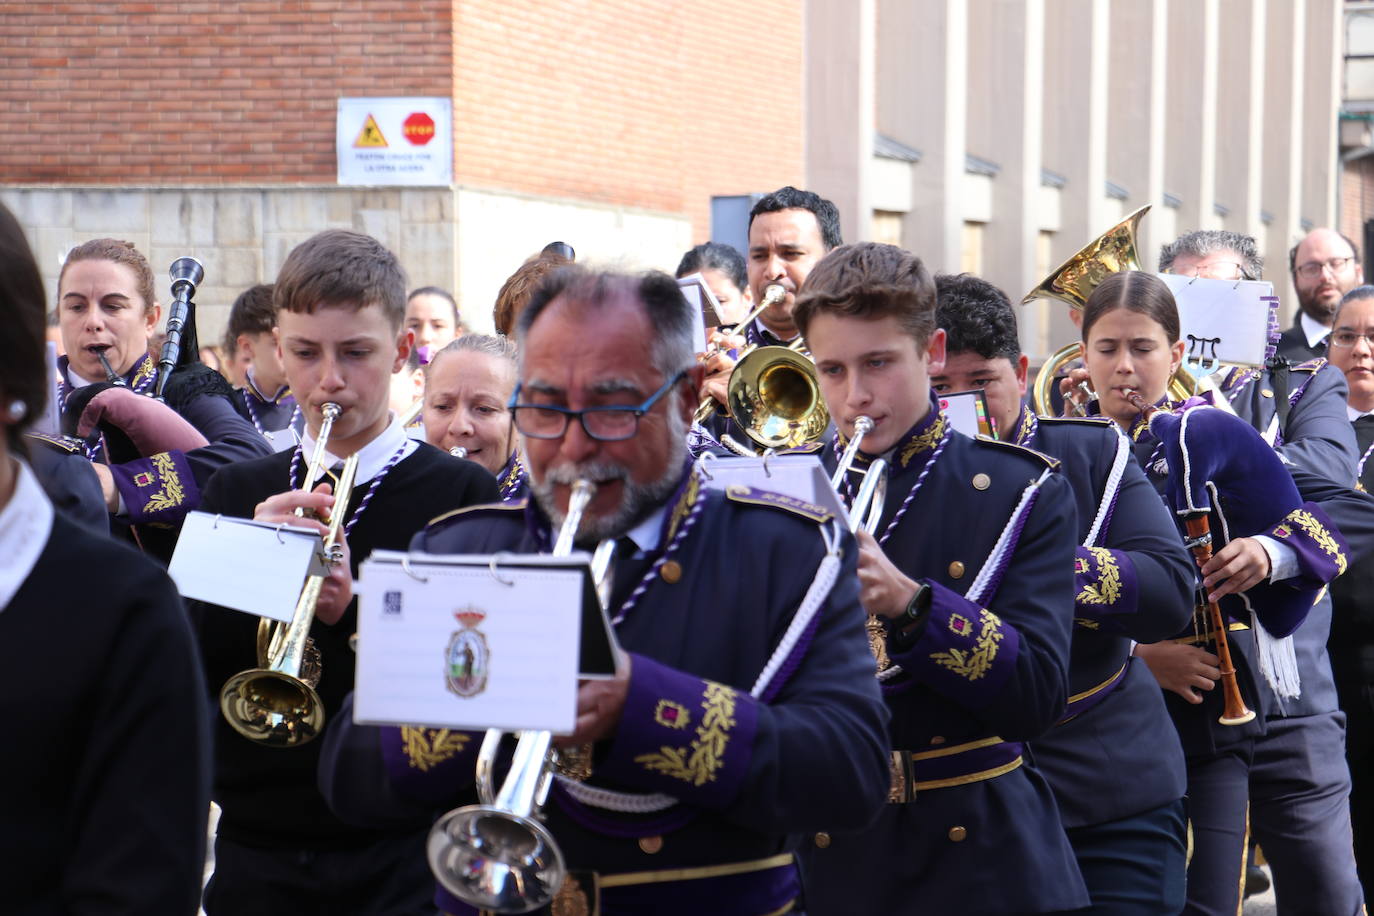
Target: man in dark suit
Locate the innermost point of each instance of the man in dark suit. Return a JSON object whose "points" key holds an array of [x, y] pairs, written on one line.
{"points": [[1325, 266]]}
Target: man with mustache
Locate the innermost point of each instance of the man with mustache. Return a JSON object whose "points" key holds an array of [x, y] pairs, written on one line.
{"points": [[1325, 266], [753, 740]]}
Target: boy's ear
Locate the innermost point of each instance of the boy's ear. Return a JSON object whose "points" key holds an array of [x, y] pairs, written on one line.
{"points": [[405, 342]]}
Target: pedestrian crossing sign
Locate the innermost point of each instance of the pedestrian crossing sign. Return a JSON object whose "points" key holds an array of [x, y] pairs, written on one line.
{"points": [[370, 135]]}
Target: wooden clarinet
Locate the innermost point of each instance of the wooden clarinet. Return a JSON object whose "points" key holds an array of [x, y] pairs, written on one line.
{"points": [[1199, 543]]}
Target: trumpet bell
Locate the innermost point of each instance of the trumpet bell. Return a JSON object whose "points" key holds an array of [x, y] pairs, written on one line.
{"points": [[495, 860], [775, 398], [272, 708], [1113, 251]]}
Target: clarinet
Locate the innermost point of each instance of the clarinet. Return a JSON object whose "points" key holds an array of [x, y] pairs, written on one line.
{"points": [[110, 375], [186, 276], [1199, 543]]}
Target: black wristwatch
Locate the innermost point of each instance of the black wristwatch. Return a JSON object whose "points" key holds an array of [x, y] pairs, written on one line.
{"points": [[908, 625]]}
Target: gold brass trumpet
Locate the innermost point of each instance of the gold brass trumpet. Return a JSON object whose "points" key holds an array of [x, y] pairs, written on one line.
{"points": [[775, 397], [771, 296], [275, 704]]}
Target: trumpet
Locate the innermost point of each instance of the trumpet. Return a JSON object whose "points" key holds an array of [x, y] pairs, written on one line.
{"points": [[772, 295], [275, 704], [867, 507], [498, 855]]}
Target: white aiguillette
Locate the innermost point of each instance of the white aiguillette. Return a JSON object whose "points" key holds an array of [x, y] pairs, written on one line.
{"points": [[248, 566], [798, 476], [478, 641]]}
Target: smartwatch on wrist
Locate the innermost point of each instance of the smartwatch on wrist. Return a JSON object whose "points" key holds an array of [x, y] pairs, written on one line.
{"points": [[908, 625]]}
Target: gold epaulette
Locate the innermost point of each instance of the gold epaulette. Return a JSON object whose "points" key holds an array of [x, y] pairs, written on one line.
{"points": [[1040, 457], [750, 496], [517, 505], [1094, 421], [1312, 365], [62, 443]]}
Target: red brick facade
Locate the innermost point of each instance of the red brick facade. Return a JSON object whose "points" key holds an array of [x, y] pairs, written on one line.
{"points": [[650, 104]]}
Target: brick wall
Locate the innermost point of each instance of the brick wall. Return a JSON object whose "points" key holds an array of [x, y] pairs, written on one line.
{"points": [[210, 92], [652, 104], [1357, 202]]}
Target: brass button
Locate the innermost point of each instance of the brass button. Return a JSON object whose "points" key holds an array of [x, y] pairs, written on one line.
{"points": [[956, 570], [957, 834], [823, 840], [671, 571], [938, 739], [652, 844], [981, 481], [1267, 393]]}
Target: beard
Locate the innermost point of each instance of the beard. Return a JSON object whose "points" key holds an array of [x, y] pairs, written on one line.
{"points": [[1318, 309], [637, 500]]}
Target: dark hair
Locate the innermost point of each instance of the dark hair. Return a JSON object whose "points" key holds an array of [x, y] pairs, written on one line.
{"points": [[120, 253], [1366, 291], [1293, 252], [1205, 242], [790, 198], [715, 256], [442, 294], [672, 345], [516, 291], [1135, 291], [977, 317], [23, 369], [251, 313], [868, 280], [341, 268]]}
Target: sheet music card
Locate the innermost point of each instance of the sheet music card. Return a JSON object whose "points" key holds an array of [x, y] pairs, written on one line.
{"points": [[450, 642], [1226, 321], [245, 565], [799, 476], [967, 412]]}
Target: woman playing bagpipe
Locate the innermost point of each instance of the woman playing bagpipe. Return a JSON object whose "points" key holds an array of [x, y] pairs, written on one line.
{"points": [[1264, 554], [152, 458]]}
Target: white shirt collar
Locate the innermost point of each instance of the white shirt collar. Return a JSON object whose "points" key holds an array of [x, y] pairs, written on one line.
{"points": [[1353, 414], [646, 533], [373, 457], [268, 398], [76, 381], [25, 525], [764, 329], [1316, 331]]}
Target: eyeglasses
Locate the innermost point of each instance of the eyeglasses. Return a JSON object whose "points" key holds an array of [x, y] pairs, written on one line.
{"points": [[1217, 270], [605, 424], [1344, 338], [1312, 269]]}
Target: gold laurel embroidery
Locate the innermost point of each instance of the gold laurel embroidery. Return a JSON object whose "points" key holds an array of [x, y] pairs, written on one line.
{"points": [[1027, 420], [171, 495], [145, 370], [924, 442], [974, 664], [1313, 529], [1107, 589], [1087, 624], [698, 763], [425, 752], [684, 506]]}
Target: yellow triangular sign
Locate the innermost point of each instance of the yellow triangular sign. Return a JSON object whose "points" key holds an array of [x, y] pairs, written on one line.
{"points": [[371, 134]]}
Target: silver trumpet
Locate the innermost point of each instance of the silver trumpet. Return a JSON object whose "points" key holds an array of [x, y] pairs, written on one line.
{"points": [[867, 507], [498, 855], [458, 452]]}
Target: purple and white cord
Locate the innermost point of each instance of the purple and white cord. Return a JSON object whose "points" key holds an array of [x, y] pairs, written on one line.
{"points": [[916, 488], [367, 497]]}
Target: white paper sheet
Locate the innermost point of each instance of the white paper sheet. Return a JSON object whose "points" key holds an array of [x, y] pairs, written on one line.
{"points": [[241, 564], [1223, 320]]}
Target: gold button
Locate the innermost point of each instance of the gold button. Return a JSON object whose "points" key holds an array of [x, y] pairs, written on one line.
{"points": [[823, 840], [981, 481], [957, 834], [671, 571], [938, 739], [1267, 393], [652, 844], [956, 570]]}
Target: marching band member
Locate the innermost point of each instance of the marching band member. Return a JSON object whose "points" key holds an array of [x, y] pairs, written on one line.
{"points": [[973, 618], [722, 267], [340, 300], [724, 736], [266, 396], [515, 293], [1132, 347], [468, 385], [1114, 760], [432, 315], [105, 781], [163, 454]]}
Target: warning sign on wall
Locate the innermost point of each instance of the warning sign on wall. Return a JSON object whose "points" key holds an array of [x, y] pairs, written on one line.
{"points": [[395, 141]]}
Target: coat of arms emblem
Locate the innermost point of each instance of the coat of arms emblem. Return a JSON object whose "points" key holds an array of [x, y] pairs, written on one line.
{"points": [[467, 658]]}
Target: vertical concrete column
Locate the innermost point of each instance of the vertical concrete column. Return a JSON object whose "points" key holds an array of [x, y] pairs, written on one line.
{"points": [[840, 74]]}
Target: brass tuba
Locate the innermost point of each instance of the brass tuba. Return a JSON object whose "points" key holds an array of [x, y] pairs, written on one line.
{"points": [[275, 704]]}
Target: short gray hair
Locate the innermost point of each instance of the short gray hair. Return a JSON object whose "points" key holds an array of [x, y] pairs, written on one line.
{"points": [[1205, 242], [497, 345], [671, 349]]}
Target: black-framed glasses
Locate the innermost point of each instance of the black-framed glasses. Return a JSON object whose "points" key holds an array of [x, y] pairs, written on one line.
{"points": [[1312, 269], [1345, 338], [606, 424]]}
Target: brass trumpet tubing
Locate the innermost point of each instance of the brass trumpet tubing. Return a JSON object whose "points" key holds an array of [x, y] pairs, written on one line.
{"points": [[862, 427], [772, 295]]}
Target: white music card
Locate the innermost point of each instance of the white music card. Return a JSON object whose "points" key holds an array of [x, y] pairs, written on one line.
{"points": [[798, 476], [967, 413], [281, 439], [705, 308], [1224, 321], [244, 565], [451, 642]]}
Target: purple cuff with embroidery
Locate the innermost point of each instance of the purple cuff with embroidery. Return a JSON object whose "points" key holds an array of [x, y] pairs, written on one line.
{"points": [[683, 736], [965, 652], [1104, 586], [157, 490], [1320, 547], [428, 764]]}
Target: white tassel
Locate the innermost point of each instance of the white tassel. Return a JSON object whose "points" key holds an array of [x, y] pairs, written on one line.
{"points": [[1278, 661]]}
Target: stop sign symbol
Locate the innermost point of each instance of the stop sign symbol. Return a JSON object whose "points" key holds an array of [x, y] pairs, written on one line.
{"points": [[418, 128]]}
